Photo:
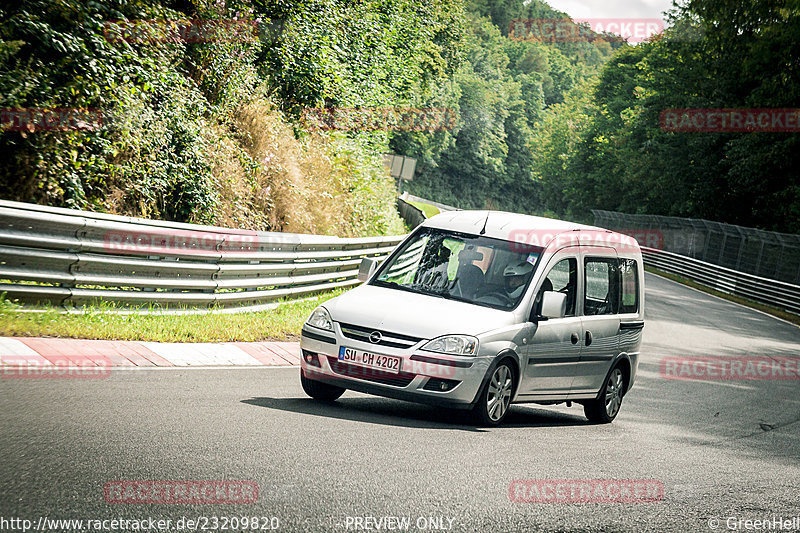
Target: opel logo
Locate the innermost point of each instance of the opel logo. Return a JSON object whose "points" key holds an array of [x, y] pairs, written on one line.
{"points": [[375, 337]]}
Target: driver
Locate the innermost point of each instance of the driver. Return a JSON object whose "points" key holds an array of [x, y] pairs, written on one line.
{"points": [[515, 277]]}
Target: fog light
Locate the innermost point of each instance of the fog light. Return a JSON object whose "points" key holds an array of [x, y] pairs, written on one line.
{"points": [[440, 385], [311, 358]]}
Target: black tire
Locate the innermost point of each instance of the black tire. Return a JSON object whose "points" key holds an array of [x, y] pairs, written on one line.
{"points": [[494, 399], [320, 391], [605, 408]]}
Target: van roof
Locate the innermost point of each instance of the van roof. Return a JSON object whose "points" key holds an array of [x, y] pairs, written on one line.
{"points": [[515, 227]]}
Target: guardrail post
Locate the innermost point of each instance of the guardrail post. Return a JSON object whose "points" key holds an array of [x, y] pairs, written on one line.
{"points": [[741, 247], [722, 247], [778, 262], [758, 260], [708, 240]]}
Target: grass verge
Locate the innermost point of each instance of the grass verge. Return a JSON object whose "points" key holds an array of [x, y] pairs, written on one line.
{"points": [[780, 313], [428, 209], [282, 323]]}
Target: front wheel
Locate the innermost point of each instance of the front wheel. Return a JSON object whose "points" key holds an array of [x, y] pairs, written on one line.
{"points": [[605, 408], [495, 397], [320, 391]]}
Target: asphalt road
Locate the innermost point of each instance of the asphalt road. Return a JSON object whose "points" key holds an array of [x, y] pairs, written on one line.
{"points": [[721, 448]]}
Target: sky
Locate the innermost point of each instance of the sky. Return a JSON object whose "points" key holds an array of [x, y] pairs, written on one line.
{"points": [[612, 8]]}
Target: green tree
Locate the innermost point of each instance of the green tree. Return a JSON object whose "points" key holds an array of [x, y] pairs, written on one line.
{"points": [[718, 54]]}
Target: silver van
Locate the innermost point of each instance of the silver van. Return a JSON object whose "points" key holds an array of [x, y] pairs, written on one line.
{"points": [[477, 310]]}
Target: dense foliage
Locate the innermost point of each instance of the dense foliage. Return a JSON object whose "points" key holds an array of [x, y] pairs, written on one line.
{"points": [[196, 129], [502, 92], [544, 130], [215, 130], [609, 151]]}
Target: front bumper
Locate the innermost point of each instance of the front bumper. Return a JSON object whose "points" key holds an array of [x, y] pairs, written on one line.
{"points": [[425, 377]]}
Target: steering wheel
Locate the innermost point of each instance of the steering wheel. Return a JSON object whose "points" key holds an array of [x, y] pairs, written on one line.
{"points": [[434, 281]]}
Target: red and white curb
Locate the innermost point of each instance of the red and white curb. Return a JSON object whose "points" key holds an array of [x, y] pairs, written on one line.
{"points": [[40, 351]]}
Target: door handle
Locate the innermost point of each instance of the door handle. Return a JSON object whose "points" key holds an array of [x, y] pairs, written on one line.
{"points": [[574, 338], [588, 338]]}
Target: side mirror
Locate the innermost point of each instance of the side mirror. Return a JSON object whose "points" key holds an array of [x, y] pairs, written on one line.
{"points": [[554, 304], [367, 268]]}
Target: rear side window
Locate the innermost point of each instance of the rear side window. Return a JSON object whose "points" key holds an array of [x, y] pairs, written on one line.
{"points": [[629, 273], [601, 286]]}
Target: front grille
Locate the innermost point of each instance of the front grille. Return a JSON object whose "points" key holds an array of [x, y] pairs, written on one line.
{"points": [[370, 374], [393, 340]]}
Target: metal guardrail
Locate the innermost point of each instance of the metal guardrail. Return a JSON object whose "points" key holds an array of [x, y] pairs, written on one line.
{"points": [[762, 266], [412, 215], [71, 258], [771, 292], [441, 207], [762, 253]]}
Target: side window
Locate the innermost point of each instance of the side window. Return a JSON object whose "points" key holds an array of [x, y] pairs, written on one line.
{"points": [[629, 273], [563, 277], [602, 287], [407, 263]]}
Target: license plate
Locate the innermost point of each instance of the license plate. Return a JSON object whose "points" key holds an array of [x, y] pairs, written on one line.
{"points": [[387, 363]]}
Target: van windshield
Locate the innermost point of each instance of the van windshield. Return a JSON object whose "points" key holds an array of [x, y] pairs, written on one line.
{"points": [[474, 269]]}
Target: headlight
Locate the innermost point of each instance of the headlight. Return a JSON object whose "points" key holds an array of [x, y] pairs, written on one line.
{"points": [[454, 345], [321, 319]]}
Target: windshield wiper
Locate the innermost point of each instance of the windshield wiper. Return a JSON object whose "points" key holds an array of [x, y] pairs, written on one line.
{"points": [[391, 285], [407, 288], [424, 289], [448, 296]]}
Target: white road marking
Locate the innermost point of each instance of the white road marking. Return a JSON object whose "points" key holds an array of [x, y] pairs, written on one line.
{"points": [[14, 351], [195, 354]]}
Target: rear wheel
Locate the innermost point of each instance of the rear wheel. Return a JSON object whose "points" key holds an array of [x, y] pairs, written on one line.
{"points": [[495, 397], [605, 408], [320, 391]]}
